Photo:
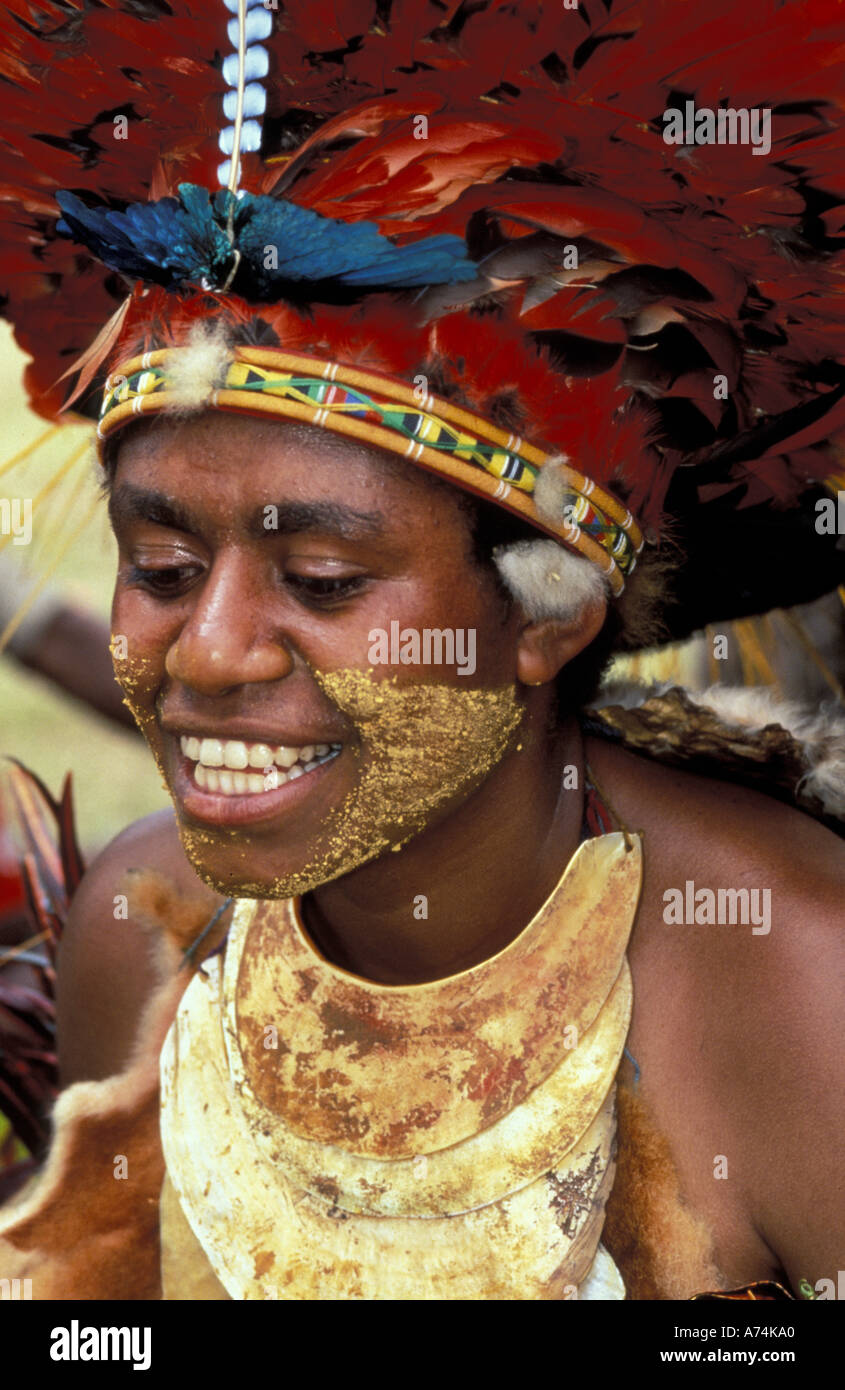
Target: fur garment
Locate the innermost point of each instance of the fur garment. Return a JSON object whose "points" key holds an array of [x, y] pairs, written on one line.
{"points": [[740, 733]]}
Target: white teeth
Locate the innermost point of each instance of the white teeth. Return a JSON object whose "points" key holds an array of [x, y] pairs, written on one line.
{"points": [[275, 765], [211, 752], [274, 778], [235, 755]]}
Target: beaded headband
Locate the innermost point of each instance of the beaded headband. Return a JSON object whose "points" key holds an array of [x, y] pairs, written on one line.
{"points": [[430, 431]]}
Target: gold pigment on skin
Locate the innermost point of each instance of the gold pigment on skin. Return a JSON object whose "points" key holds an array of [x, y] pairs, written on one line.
{"points": [[422, 745], [135, 676]]}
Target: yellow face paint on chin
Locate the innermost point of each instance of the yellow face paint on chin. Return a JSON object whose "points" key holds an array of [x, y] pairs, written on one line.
{"points": [[421, 746]]}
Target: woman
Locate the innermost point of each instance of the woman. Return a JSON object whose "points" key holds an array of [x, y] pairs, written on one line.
{"points": [[460, 901]]}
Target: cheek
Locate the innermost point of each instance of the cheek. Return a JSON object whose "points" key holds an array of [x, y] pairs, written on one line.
{"points": [[458, 600], [140, 639], [481, 629]]}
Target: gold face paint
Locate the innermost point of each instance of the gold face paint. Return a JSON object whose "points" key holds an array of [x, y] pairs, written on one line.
{"points": [[133, 676], [421, 746]]}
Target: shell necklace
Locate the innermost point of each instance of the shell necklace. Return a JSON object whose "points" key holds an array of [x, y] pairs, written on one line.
{"points": [[327, 1137]]}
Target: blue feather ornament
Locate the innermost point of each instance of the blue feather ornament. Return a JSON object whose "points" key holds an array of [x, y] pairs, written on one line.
{"points": [[274, 246]]}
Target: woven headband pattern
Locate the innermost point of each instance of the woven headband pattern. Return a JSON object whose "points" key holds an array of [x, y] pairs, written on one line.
{"points": [[429, 431]]}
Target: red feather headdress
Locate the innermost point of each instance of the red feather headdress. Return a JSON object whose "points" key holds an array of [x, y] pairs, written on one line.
{"points": [[688, 356]]}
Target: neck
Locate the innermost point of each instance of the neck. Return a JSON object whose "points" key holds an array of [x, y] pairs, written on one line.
{"points": [[465, 887]]}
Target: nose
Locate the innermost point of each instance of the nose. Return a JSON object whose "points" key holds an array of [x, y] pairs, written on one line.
{"points": [[228, 639]]}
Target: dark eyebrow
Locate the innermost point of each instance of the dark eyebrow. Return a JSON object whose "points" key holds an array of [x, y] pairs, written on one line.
{"points": [[128, 503], [332, 518]]}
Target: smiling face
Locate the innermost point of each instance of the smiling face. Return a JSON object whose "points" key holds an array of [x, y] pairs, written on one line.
{"points": [[256, 558]]}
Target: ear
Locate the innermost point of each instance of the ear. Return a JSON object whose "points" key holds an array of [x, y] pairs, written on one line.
{"points": [[546, 646]]}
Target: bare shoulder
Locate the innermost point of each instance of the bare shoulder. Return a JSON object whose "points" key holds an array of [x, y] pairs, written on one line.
{"points": [[107, 967], [738, 960], [703, 835]]}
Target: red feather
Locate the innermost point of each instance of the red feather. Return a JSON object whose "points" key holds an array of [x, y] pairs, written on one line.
{"points": [[544, 127]]}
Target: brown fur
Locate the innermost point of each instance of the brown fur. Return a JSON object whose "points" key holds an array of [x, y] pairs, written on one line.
{"points": [[173, 919], [77, 1230], [662, 1249]]}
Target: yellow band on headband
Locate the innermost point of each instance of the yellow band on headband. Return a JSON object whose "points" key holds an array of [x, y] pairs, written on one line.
{"points": [[429, 431]]}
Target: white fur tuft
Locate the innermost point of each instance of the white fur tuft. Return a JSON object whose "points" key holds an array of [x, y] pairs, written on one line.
{"points": [[551, 490], [197, 369], [548, 580]]}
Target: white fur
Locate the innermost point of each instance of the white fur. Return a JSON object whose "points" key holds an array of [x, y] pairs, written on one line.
{"points": [[551, 490], [821, 734], [197, 369], [548, 580]]}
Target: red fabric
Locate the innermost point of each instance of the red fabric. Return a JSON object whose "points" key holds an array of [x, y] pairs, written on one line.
{"points": [[597, 817]]}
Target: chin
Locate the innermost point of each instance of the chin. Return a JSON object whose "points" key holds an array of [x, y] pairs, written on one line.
{"points": [[226, 869], [220, 864], [238, 882]]}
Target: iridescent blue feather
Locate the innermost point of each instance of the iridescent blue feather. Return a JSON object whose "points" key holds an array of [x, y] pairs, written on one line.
{"points": [[184, 241]]}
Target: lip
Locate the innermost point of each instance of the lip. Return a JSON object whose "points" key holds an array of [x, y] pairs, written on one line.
{"points": [[216, 808]]}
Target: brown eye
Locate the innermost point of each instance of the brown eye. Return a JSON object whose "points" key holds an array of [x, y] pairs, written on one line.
{"points": [[317, 588], [166, 583]]}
